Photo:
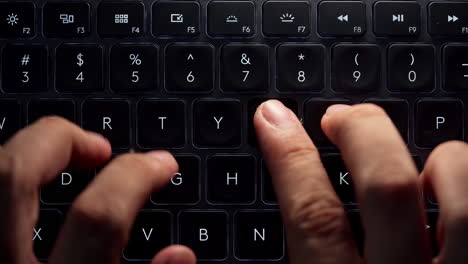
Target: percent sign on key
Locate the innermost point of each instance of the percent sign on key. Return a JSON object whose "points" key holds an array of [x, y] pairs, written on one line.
{"points": [[135, 59]]}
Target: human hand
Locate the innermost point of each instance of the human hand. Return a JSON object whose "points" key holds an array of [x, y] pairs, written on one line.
{"points": [[99, 221], [387, 185]]}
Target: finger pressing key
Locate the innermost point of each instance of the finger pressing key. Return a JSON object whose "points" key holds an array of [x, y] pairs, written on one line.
{"points": [[98, 224], [446, 173], [386, 183], [32, 158], [315, 221]]}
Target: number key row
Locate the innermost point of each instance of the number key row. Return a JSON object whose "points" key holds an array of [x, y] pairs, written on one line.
{"points": [[243, 68]]}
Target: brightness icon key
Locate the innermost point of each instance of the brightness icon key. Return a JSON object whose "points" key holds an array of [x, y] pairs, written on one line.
{"points": [[286, 18], [17, 19]]}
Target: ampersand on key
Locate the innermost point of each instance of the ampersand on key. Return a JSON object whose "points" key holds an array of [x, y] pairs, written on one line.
{"points": [[244, 59]]}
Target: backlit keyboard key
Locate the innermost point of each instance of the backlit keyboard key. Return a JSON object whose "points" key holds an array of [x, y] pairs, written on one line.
{"points": [[455, 67], [108, 117], [300, 67], [287, 18], [245, 68], [65, 187], [176, 18], [231, 179], [161, 123], [184, 187], [121, 19], [79, 68], [206, 233], [448, 18], [339, 177], [151, 232], [134, 68], [342, 18], [217, 123], [67, 20], [258, 235], [10, 118], [437, 121], [231, 18], [25, 68], [45, 232], [38, 108], [189, 68], [356, 68], [397, 18], [411, 67], [18, 20]]}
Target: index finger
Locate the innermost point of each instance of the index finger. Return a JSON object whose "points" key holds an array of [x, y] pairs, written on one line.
{"points": [[314, 218]]}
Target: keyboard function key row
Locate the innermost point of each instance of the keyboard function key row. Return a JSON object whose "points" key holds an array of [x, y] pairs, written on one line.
{"points": [[233, 19]]}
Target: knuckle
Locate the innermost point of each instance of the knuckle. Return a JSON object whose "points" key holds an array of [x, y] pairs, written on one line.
{"points": [[139, 161], [99, 217], [366, 110], [390, 182], [298, 153], [318, 215], [355, 118]]}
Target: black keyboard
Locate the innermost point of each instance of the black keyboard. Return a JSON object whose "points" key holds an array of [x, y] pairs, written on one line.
{"points": [[187, 76]]}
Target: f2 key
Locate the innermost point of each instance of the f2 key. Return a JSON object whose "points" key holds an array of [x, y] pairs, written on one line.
{"points": [[17, 19]]}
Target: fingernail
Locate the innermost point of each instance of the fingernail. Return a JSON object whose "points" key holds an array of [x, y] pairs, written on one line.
{"points": [[163, 156], [336, 108], [277, 114], [98, 138]]}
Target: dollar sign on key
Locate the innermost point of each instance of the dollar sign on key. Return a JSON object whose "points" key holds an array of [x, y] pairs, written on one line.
{"points": [[80, 60]]}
